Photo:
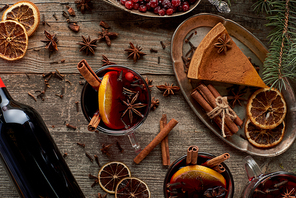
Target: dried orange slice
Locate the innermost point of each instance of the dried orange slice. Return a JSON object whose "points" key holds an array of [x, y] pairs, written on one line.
{"points": [[266, 108], [264, 138], [110, 174], [24, 12], [132, 187], [13, 40]]}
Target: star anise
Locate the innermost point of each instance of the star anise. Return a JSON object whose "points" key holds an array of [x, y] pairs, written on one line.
{"points": [[236, 96], [88, 45], [83, 5], [223, 44], [134, 52], [106, 35], [154, 103], [102, 196], [168, 89], [132, 107], [149, 83], [106, 61], [51, 42], [288, 194]]}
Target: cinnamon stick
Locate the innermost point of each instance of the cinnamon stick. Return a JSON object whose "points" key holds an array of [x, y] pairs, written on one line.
{"points": [[214, 91], [94, 122], [164, 143], [219, 168], [205, 105], [212, 100], [161, 135], [88, 74], [216, 160], [192, 155]]}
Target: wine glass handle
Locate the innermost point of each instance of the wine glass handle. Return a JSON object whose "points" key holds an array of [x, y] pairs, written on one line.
{"points": [[134, 142], [221, 6], [252, 168]]}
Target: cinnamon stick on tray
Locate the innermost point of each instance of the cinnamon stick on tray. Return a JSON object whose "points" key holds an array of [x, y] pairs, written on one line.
{"points": [[88, 74], [164, 143], [161, 135], [94, 122]]}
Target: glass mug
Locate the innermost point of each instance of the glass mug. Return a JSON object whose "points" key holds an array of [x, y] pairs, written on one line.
{"points": [[261, 185], [202, 157], [89, 105]]}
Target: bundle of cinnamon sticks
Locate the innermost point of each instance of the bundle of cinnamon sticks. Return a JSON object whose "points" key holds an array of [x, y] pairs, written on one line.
{"points": [[206, 96]]}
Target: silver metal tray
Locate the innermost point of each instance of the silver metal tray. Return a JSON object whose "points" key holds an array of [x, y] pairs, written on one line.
{"points": [[200, 25]]}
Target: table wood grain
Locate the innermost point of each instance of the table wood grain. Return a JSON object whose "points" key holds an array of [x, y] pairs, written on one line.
{"points": [[25, 76]]}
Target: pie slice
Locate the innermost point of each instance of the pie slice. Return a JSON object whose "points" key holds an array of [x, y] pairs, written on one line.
{"points": [[218, 58]]}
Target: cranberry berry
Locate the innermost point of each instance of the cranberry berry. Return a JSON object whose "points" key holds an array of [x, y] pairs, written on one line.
{"points": [[129, 5]]}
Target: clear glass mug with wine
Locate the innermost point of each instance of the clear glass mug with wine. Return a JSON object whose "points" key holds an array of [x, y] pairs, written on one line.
{"points": [[275, 184], [123, 101]]}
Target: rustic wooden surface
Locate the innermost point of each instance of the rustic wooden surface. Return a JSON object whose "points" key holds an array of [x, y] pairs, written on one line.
{"points": [[146, 32]]}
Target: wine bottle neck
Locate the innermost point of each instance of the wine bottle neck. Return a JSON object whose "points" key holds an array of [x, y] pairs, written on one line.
{"points": [[4, 94]]}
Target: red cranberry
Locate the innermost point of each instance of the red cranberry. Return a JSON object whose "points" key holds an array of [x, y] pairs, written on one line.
{"points": [[170, 11], [176, 3], [166, 4], [156, 9], [185, 7], [142, 8], [134, 1], [161, 12], [136, 6], [129, 5], [153, 3], [180, 8], [148, 6], [129, 76], [123, 2]]}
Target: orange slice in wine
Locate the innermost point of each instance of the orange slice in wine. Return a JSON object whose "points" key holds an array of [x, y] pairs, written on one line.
{"points": [[13, 40], [24, 12]]}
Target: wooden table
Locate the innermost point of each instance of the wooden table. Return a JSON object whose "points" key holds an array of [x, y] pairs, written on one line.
{"points": [[25, 76]]}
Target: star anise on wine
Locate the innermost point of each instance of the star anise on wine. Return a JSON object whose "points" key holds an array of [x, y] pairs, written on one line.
{"points": [[224, 43], [154, 103], [132, 107], [168, 89], [51, 41], [106, 61], [288, 194], [236, 96], [106, 35], [83, 5], [88, 45], [135, 52]]}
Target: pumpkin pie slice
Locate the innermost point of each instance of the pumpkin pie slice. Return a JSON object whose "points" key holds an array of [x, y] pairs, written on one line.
{"points": [[218, 58]]}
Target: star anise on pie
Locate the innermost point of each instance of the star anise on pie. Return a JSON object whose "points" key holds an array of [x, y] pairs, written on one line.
{"points": [[154, 103], [106, 61], [224, 43], [88, 45], [135, 52], [132, 107], [168, 89], [83, 5], [51, 42], [106, 35], [236, 96]]}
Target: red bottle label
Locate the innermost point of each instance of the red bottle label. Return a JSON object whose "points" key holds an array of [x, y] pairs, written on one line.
{"points": [[1, 83]]}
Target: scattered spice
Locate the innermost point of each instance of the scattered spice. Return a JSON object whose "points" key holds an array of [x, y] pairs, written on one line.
{"points": [[97, 160], [104, 25], [71, 126], [168, 89], [55, 17], [52, 126], [132, 107], [63, 60], [149, 83], [66, 15], [51, 42], [81, 144], [4, 7], [65, 155], [106, 35], [89, 157], [223, 43], [119, 147], [88, 45], [73, 26], [162, 45], [59, 95], [84, 5], [191, 50], [188, 38], [32, 96], [102, 196], [154, 103], [153, 50], [158, 60], [68, 81], [43, 21], [106, 61], [135, 52], [105, 149], [71, 11], [77, 106], [95, 183]]}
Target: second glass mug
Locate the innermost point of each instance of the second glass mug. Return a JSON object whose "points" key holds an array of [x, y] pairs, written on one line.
{"points": [[89, 105], [285, 181]]}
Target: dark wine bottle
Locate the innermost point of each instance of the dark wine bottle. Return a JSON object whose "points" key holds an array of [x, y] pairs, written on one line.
{"points": [[30, 154]]}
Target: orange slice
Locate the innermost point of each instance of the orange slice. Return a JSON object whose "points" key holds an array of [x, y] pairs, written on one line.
{"points": [[132, 187], [266, 108], [264, 138], [13, 40], [110, 174], [198, 177], [24, 12]]}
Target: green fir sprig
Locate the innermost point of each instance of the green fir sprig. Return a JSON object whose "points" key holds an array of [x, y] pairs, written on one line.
{"points": [[280, 61]]}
